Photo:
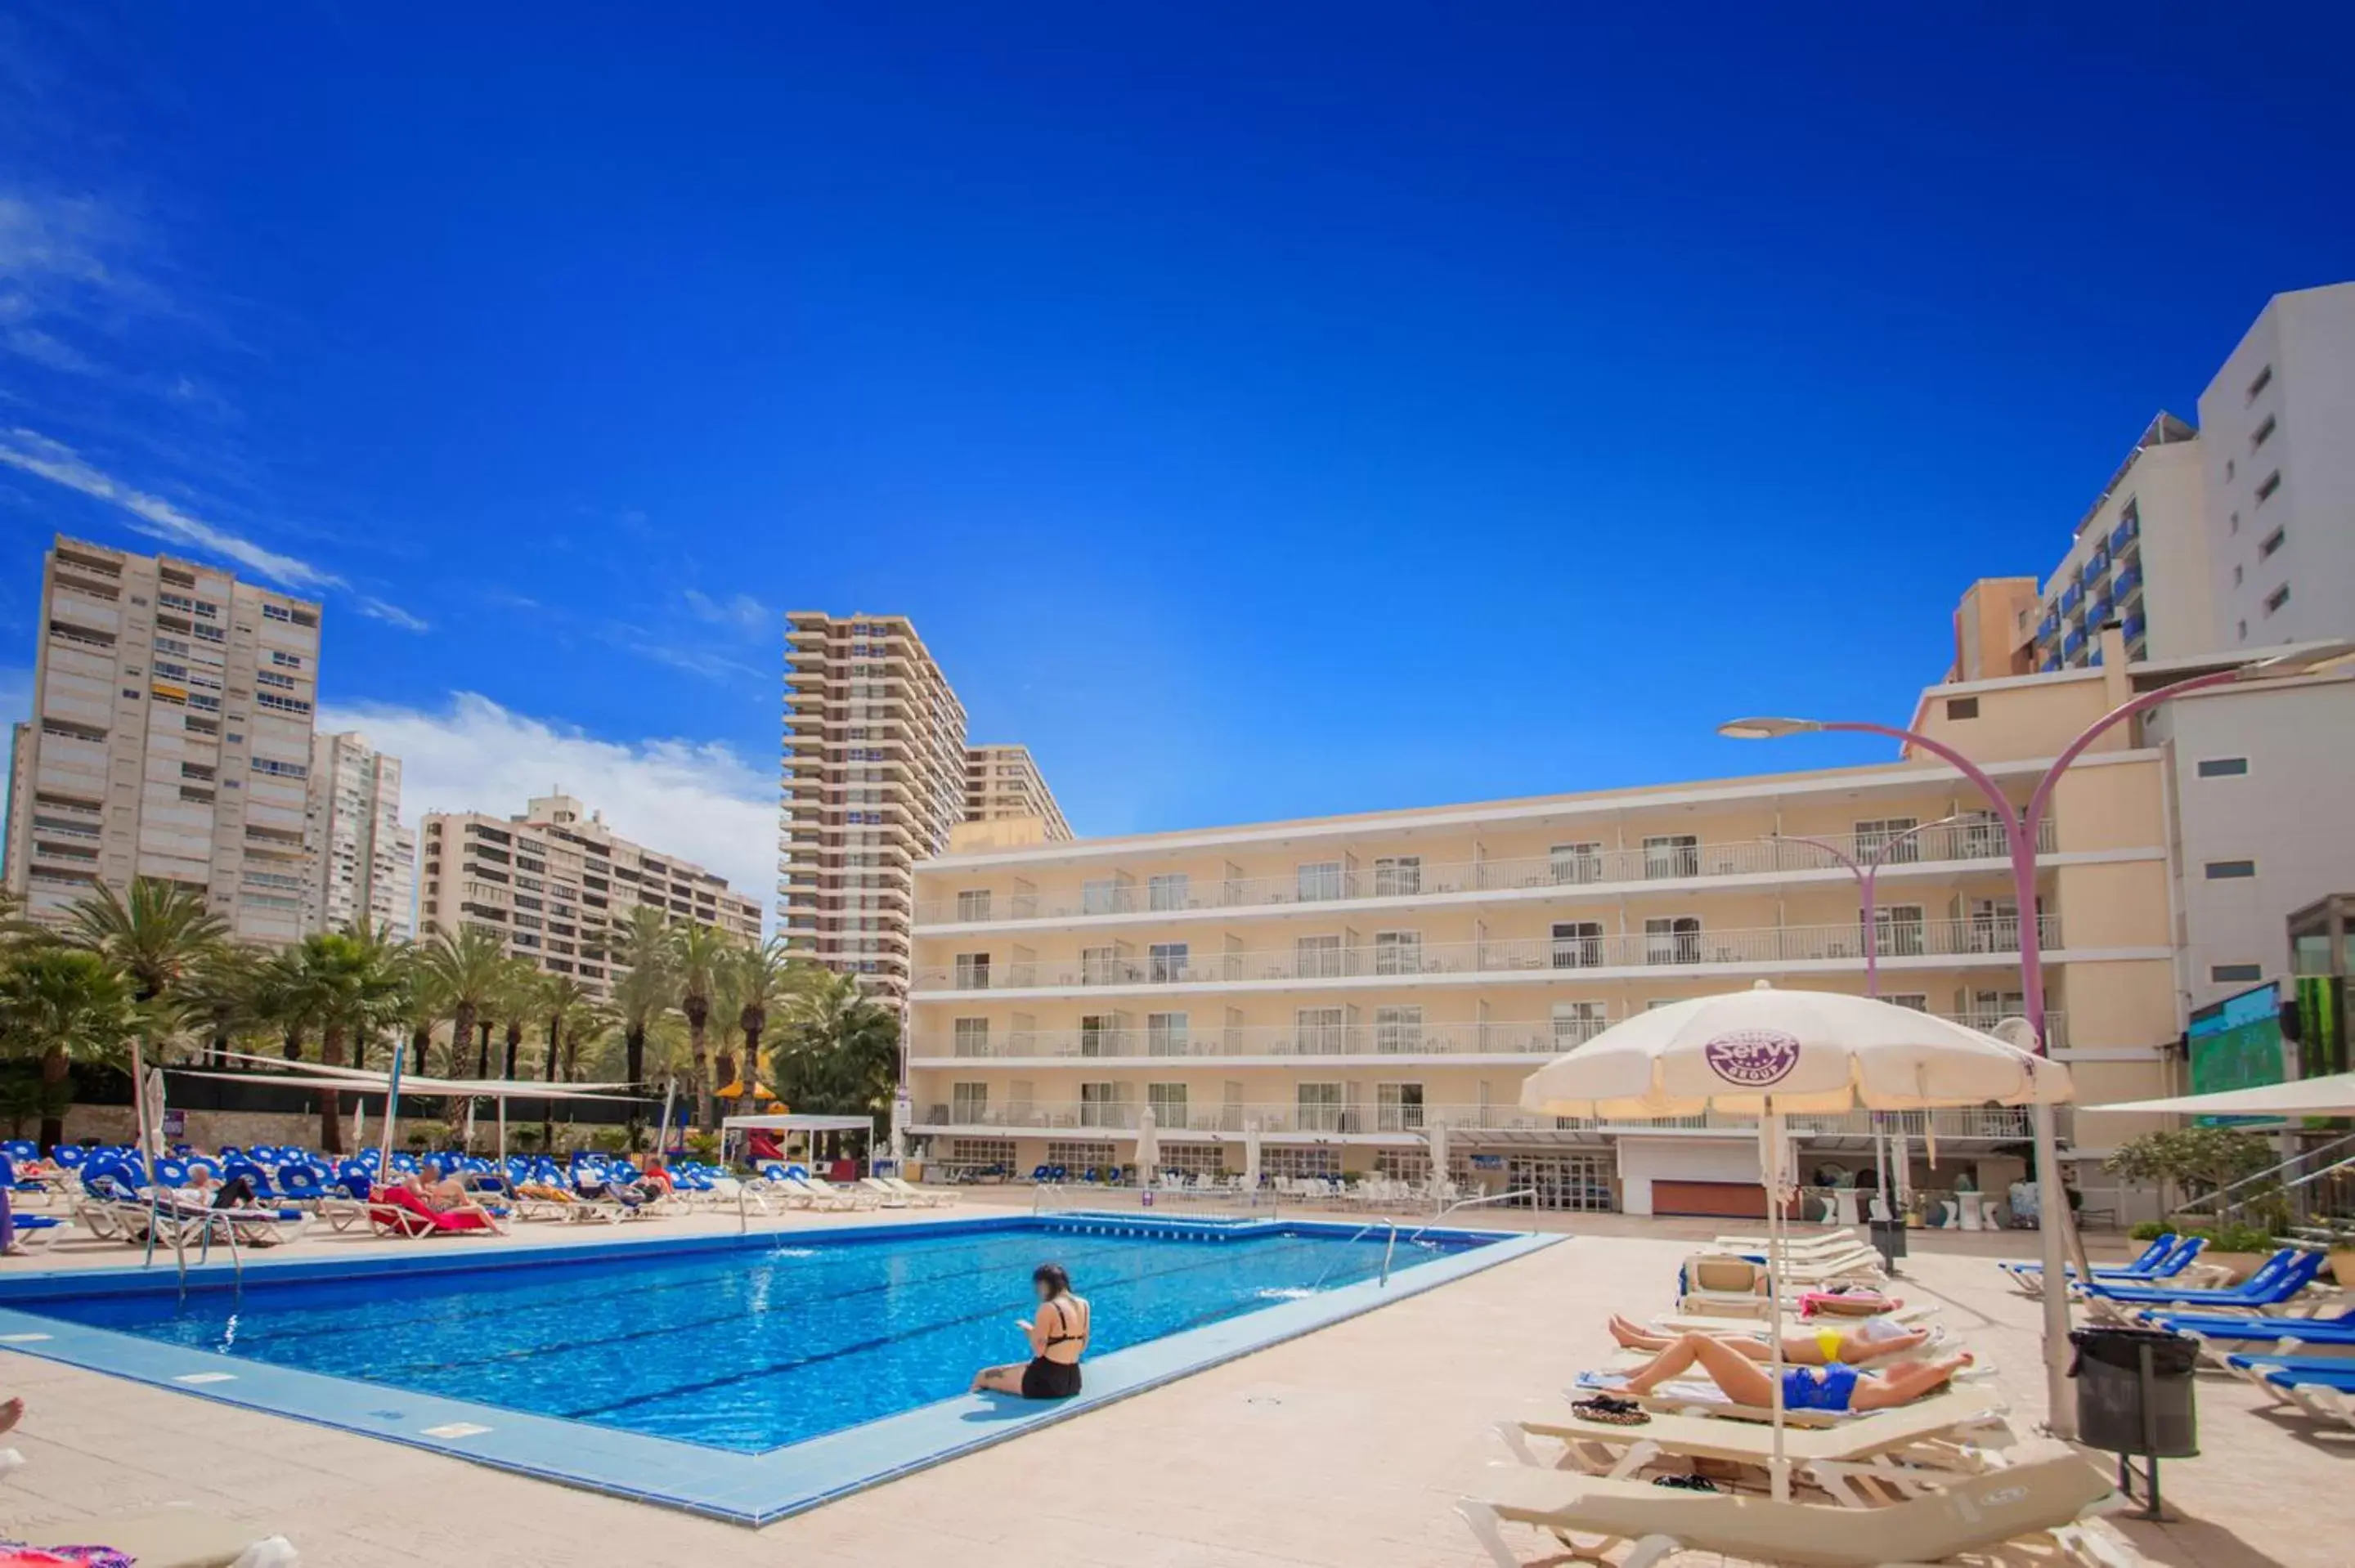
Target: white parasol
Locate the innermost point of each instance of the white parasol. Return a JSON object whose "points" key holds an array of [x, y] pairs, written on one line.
{"points": [[1251, 1155], [1149, 1146], [1437, 1136], [1768, 1052]]}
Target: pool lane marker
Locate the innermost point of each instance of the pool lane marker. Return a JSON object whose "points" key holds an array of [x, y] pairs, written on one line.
{"points": [[206, 1377], [455, 1429]]}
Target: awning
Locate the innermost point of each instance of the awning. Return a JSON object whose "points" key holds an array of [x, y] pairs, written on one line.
{"points": [[348, 1082], [2333, 1095], [782, 1123]]}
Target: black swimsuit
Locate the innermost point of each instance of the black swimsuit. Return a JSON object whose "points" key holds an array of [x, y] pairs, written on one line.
{"points": [[1044, 1379]]}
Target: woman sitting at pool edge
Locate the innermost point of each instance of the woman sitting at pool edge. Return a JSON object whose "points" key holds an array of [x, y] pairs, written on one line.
{"points": [[1059, 1337]]}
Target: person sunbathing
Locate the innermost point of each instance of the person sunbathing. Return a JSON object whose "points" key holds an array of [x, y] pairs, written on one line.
{"points": [[448, 1195], [1873, 1338], [545, 1192], [1834, 1388]]}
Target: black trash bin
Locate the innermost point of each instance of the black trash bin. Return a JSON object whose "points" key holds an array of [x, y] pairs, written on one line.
{"points": [[2135, 1398], [1888, 1240]]}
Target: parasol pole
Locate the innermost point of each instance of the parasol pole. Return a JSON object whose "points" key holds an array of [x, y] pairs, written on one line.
{"points": [[1771, 1129], [391, 1115], [662, 1137], [503, 1135]]}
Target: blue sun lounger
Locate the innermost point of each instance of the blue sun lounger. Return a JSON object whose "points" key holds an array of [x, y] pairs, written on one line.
{"points": [[2321, 1387], [2169, 1261], [2146, 1265], [2279, 1278]]}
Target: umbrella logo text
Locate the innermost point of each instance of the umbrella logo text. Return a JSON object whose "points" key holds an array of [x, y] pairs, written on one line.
{"points": [[1753, 1058]]}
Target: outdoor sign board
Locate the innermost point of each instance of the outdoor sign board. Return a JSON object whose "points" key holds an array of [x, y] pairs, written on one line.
{"points": [[2236, 1044]]}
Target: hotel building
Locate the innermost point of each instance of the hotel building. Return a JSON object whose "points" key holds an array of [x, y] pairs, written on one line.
{"points": [[1003, 783], [558, 886], [1345, 985], [366, 860], [171, 738]]}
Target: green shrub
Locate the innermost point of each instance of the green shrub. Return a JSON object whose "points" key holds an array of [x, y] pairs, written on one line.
{"points": [[2231, 1238], [2146, 1230]]}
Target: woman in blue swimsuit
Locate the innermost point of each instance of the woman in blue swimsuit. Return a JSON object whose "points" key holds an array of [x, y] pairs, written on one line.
{"points": [[1835, 1387]]}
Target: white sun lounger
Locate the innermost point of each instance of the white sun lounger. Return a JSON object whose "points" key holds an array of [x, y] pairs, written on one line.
{"points": [[2048, 1492], [174, 1538]]}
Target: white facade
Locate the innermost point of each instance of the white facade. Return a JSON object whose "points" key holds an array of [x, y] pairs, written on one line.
{"points": [[2280, 474], [2140, 558], [2263, 823], [171, 738], [366, 860]]}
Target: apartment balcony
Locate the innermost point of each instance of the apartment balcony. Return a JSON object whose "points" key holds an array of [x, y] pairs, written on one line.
{"points": [[1537, 1040], [1406, 1123], [1587, 873], [2125, 532], [1925, 944]]}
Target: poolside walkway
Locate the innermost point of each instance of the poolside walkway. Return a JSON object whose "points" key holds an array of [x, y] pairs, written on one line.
{"points": [[1348, 1447]]}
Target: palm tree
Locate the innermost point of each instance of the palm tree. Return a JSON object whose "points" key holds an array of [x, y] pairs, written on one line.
{"points": [[767, 977], [422, 1003], [518, 999], [466, 972], [648, 988], [62, 1005], [271, 995], [351, 983], [840, 1051], [700, 952], [157, 938]]}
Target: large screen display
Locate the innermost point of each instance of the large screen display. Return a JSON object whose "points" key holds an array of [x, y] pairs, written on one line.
{"points": [[2236, 1044]]}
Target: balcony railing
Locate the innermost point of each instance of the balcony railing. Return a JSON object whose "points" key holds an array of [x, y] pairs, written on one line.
{"points": [[1537, 1037], [1117, 1117], [1672, 862], [1177, 964]]}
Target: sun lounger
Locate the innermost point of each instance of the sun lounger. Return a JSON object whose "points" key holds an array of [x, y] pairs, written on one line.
{"points": [[886, 1196], [174, 1538], [397, 1212], [922, 1197], [1944, 1436], [826, 1195], [2171, 1264], [2223, 1338], [2322, 1387], [2046, 1493], [2280, 1279], [1802, 1246]]}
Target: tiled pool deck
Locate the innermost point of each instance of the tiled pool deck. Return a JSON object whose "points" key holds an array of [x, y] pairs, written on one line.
{"points": [[1348, 1445], [746, 1489]]}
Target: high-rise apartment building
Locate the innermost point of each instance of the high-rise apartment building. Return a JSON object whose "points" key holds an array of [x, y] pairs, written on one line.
{"points": [[874, 779], [2238, 535], [366, 860], [1003, 782], [2280, 474], [171, 738], [558, 886]]}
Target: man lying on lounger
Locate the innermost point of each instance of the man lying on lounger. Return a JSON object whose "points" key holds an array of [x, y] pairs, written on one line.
{"points": [[1834, 1388], [1872, 1338], [449, 1195]]}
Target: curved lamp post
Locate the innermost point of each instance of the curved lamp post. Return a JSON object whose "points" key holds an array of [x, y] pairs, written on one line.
{"points": [[2021, 825]]}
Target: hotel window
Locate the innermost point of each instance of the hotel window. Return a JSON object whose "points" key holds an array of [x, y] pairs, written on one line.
{"points": [[1914, 1000], [1397, 875], [1168, 1033], [1319, 880], [974, 906], [1898, 931], [1168, 892], [1576, 1022], [1995, 924], [1398, 952], [2265, 379], [1672, 854], [1874, 838], [2229, 870], [1168, 1103], [1399, 1107], [972, 1036], [1318, 1031], [1100, 965], [2266, 487], [1398, 1029], [1317, 957], [1320, 1105], [973, 971], [2223, 767], [968, 1103], [1103, 1105], [1983, 837], [1575, 863], [1672, 940], [1577, 944], [1098, 1034], [1168, 960], [2277, 599], [2273, 542], [2234, 974], [2262, 433], [1100, 896], [1962, 708]]}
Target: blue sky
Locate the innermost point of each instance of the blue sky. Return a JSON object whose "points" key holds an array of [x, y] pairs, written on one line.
{"points": [[1261, 410]]}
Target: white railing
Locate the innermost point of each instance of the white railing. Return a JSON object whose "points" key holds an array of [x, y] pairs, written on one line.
{"points": [[1280, 1118], [1536, 1037], [1180, 964], [1965, 842]]}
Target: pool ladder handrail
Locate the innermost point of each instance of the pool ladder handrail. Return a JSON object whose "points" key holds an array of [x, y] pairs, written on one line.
{"points": [[1528, 1193]]}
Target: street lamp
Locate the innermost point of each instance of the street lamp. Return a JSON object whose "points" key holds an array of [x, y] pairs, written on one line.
{"points": [[2020, 826]]}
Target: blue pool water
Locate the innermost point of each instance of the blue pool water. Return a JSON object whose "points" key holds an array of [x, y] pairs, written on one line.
{"points": [[745, 1351]]}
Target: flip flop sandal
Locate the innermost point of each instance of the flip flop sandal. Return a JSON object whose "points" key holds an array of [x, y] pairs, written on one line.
{"points": [[1610, 1412], [1686, 1483]]}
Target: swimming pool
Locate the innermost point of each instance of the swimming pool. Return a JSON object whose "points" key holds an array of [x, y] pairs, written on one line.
{"points": [[745, 1377]]}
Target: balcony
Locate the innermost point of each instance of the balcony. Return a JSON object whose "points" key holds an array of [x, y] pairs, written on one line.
{"points": [[1510, 958], [1403, 878], [1407, 1123], [1540, 1039], [2125, 534], [2129, 579]]}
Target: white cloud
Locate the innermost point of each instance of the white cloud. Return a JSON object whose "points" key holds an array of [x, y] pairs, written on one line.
{"points": [[157, 518], [743, 611], [698, 799], [392, 614]]}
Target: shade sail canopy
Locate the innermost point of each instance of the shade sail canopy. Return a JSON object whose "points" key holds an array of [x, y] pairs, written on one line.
{"points": [[2330, 1095], [315, 1078], [783, 1123], [1809, 1051]]}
